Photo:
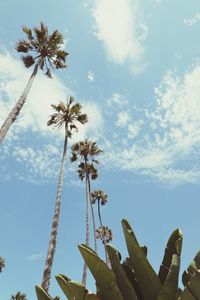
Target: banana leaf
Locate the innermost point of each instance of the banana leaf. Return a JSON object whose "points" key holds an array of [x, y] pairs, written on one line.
{"points": [[104, 276], [170, 287], [147, 278], [71, 289], [41, 294], [123, 283], [174, 246]]}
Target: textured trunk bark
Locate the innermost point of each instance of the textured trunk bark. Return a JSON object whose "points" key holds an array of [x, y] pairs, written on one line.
{"points": [[18, 106], [101, 224], [87, 236], [54, 230]]}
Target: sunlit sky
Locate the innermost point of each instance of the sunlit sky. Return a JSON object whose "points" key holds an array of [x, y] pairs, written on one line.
{"points": [[135, 68]]}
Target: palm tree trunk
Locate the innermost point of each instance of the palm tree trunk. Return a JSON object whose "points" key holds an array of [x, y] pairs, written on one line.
{"points": [[87, 239], [93, 220], [101, 224], [54, 229], [18, 106]]}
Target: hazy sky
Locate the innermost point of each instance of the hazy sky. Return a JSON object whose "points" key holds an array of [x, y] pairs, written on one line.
{"points": [[135, 68]]}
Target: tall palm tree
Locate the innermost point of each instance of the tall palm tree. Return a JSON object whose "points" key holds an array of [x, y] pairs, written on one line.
{"points": [[101, 199], [18, 296], [86, 151], [46, 53], [68, 115], [2, 264]]}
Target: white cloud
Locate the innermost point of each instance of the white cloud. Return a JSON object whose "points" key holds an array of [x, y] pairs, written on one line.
{"points": [[117, 26], [117, 101], [134, 129], [44, 92], [164, 143], [91, 76], [43, 161], [161, 142], [122, 119], [192, 21], [35, 257]]}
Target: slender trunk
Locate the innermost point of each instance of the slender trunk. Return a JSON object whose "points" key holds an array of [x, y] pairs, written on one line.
{"points": [[54, 229], [18, 106], [101, 224], [87, 237], [93, 220]]}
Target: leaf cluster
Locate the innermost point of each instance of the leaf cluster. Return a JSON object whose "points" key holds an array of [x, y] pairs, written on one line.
{"points": [[99, 195], [86, 151], [45, 48], [2, 263], [68, 115], [105, 234]]}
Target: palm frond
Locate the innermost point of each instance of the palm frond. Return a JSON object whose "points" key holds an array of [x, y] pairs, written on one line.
{"points": [[47, 47], [28, 61], [2, 263]]}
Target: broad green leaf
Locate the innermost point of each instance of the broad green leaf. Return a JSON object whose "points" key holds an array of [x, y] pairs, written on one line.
{"points": [[41, 294], [91, 297], [71, 289], [186, 295], [174, 246], [194, 285], [123, 283], [105, 277], [127, 266], [170, 286], [147, 278]]}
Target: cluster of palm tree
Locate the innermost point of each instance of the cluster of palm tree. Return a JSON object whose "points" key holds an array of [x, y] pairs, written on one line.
{"points": [[103, 232], [86, 152], [45, 52]]}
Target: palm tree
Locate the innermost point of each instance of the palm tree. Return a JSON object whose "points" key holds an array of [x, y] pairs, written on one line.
{"points": [[18, 296], [86, 151], [101, 199], [105, 234], [46, 53], [2, 264], [67, 115]]}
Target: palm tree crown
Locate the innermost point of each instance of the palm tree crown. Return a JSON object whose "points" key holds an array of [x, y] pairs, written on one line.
{"points": [[84, 150], [68, 115], [18, 296], [2, 263], [105, 234], [45, 48], [99, 196]]}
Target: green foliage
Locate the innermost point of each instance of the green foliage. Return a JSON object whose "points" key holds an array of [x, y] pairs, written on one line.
{"points": [[18, 296], [68, 115], [134, 278], [2, 264], [44, 48]]}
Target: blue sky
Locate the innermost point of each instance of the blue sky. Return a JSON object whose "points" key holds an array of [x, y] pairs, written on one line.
{"points": [[135, 68]]}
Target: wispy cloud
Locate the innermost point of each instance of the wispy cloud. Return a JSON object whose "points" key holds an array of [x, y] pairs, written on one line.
{"points": [[21, 143], [91, 76], [44, 92], [161, 142], [193, 20], [35, 257], [119, 27], [164, 142]]}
